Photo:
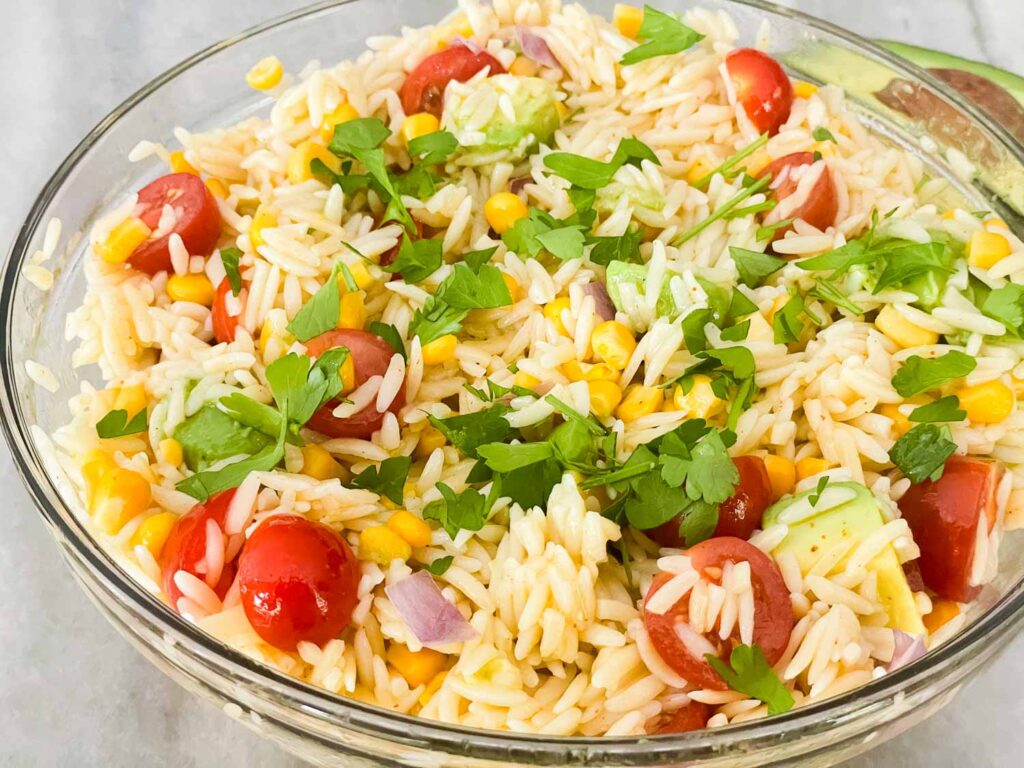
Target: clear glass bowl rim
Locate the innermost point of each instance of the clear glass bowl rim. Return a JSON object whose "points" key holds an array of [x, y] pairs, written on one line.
{"points": [[1002, 619]]}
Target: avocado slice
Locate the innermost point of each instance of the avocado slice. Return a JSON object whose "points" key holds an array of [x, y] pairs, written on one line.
{"points": [[810, 538], [209, 435]]}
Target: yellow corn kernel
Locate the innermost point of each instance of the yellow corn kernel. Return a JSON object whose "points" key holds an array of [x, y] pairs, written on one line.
{"points": [[194, 287], [804, 90], [900, 422], [553, 312], [440, 350], [264, 218], [810, 466], [304, 154], [514, 289], [525, 380], [318, 463], [627, 19], [361, 275], [700, 402], [417, 667], [123, 240], [275, 327], [382, 545], [577, 371], [217, 188], [432, 687], [950, 214], [698, 171], [120, 495], [341, 114], [153, 532], [353, 310], [410, 528], [348, 375], [430, 440], [639, 401], [605, 397], [757, 162], [171, 451], [987, 403], [131, 398], [179, 164], [420, 124], [894, 325], [987, 248], [503, 210], [96, 464], [613, 342], [265, 73], [781, 475], [523, 67], [943, 611]]}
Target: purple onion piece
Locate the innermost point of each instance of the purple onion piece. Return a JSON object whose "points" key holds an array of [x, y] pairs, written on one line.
{"points": [[536, 49], [466, 43], [908, 648], [603, 306], [433, 619], [516, 185]]}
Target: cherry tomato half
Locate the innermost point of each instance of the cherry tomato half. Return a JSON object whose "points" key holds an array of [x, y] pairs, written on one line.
{"points": [[691, 717], [423, 89], [371, 356], [944, 516], [197, 220], [224, 324], [185, 548], [762, 88], [739, 515], [298, 580], [773, 613], [816, 203]]}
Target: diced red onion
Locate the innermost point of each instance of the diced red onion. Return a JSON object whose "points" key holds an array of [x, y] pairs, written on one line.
{"points": [[603, 306], [908, 648], [536, 49], [433, 619], [516, 185], [466, 43]]}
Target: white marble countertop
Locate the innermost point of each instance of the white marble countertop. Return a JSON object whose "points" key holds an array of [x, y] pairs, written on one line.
{"points": [[73, 692]]}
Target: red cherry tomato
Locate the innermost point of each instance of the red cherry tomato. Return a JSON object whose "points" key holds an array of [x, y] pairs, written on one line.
{"points": [[818, 205], [762, 88], [298, 580], [371, 356], [423, 89], [691, 717], [739, 515], [773, 613], [197, 220], [224, 325], [185, 548], [944, 516]]}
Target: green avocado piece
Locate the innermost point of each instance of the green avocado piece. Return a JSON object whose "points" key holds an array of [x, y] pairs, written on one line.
{"points": [[811, 538], [927, 59], [209, 435]]}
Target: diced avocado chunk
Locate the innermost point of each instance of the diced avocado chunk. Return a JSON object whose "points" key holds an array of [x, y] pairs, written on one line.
{"points": [[524, 115], [813, 537], [209, 435]]}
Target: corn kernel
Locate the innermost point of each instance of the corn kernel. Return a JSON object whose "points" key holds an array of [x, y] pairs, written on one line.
{"points": [[353, 310], [318, 463], [525, 380], [440, 350], [361, 275], [900, 422], [341, 114], [950, 214], [613, 343], [171, 451], [639, 401], [264, 218], [420, 124], [123, 240], [194, 287], [894, 325], [217, 188], [781, 475], [410, 528], [503, 210], [430, 440], [265, 74], [574, 370], [810, 466], [988, 403], [698, 171], [120, 495], [985, 249], [417, 667], [627, 19], [96, 464], [304, 154], [605, 397], [514, 289], [553, 312], [432, 687], [757, 162], [804, 90], [943, 612], [348, 375], [179, 164], [382, 545], [153, 532], [700, 402], [131, 399], [523, 67]]}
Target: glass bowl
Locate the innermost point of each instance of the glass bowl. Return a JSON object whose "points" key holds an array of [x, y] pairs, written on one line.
{"points": [[209, 90]]}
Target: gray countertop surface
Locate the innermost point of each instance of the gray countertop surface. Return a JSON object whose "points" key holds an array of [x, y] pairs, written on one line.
{"points": [[72, 691]]}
